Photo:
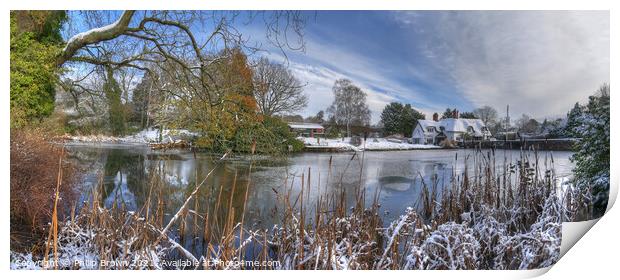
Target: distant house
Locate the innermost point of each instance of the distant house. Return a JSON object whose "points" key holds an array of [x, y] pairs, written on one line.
{"points": [[306, 129], [507, 135], [454, 129]]}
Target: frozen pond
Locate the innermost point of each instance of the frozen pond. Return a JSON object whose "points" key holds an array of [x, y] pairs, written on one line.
{"points": [[125, 173]]}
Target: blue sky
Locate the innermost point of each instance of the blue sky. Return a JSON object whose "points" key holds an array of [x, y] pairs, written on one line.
{"points": [[538, 62]]}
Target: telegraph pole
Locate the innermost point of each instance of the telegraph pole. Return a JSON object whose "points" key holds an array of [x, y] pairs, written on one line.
{"points": [[507, 121]]}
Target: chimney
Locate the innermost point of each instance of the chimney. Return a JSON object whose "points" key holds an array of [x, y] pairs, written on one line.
{"points": [[436, 117], [455, 114]]}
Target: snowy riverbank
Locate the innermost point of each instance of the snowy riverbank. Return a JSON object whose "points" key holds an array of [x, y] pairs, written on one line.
{"points": [[371, 144], [147, 136], [153, 136]]}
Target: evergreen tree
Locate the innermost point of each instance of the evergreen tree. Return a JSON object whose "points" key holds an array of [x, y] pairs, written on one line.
{"points": [[467, 115], [35, 43], [140, 100], [116, 110], [448, 113], [391, 118], [573, 119], [399, 118], [410, 120], [552, 128], [592, 149]]}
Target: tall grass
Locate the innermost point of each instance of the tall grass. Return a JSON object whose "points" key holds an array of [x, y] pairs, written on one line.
{"points": [[489, 216], [36, 188]]}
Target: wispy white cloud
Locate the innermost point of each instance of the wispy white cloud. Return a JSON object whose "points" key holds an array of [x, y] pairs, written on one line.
{"points": [[323, 63], [539, 62]]}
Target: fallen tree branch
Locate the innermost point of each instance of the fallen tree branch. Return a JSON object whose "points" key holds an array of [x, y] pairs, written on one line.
{"points": [[178, 214]]}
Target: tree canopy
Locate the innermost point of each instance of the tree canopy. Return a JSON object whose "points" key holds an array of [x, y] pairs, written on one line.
{"points": [[467, 115], [399, 118], [276, 89], [35, 43], [487, 114], [592, 151], [349, 106], [448, 113], [193, 66]]}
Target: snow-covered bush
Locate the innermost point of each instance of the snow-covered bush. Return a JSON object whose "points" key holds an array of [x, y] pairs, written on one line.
{"points": [[592, 151], [348, 242], [490, 234], [98, 239], [452, 246], [539, 247]]}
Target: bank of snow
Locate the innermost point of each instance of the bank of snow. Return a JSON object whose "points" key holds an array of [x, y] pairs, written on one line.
{"points": [[372, 144], [152, 136], [147, 136], [380, 144]]}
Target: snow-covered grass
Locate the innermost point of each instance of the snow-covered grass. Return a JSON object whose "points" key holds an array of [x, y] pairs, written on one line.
{"points": [[100, 239], [477, 222], [147, 136], [371, 144]]}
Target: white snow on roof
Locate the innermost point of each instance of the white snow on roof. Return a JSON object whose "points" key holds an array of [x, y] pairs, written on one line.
{"points": [[305, 125], [429, 123], [456, 125]]}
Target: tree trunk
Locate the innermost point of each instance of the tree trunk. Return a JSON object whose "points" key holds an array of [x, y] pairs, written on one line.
{"points": [[348, 128], [148, 106]]}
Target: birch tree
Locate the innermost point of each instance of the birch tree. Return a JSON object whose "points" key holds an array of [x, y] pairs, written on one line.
{"points": [[349, 106]]}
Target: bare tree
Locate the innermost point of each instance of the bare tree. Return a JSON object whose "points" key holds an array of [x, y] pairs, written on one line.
{"points": [[349, 106], [276, 89], [487, 114], [182, 48]]}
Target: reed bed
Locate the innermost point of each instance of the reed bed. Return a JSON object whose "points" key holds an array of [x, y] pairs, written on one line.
{"points": [[489, 216]]}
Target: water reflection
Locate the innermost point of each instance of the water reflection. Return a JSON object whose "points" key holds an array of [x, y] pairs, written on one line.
{"points": [[158, 183]]}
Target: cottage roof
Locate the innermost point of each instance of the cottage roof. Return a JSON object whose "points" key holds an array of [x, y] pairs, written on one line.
{"points": [[428, 123], [305, 125], [455, 125]]}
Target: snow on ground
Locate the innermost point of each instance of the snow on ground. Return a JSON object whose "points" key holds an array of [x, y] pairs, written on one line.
{"points": [[384, 144], [372, 144], [329, 143], [149, 136], [145, 137], [167, 136]]}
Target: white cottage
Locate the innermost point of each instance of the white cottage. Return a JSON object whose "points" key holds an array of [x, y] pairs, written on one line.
{"points": [[454, 129]]}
